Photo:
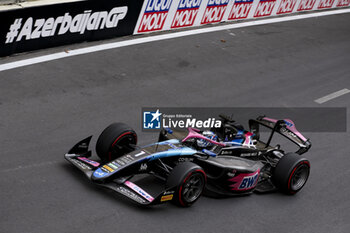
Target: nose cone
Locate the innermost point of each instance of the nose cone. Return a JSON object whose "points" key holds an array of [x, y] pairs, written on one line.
{"points": [[99, 175]]}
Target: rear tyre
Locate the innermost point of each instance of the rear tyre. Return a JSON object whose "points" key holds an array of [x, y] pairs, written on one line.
{"points": [[115, 141], [189, 180], [291, 173]]}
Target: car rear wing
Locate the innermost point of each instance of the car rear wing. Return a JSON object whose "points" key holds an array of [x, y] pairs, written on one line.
{"points": [[285, 127]]}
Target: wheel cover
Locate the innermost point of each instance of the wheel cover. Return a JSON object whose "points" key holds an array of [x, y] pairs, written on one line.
{"points": [[299, 177], [192, 188]]}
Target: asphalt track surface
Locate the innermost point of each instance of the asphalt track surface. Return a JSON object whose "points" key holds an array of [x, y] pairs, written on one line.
{"points": [[46, 108]]}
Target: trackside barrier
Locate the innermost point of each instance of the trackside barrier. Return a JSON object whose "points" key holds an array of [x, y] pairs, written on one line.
{"points": [[52, 25], [41, 27], [160, 15]]}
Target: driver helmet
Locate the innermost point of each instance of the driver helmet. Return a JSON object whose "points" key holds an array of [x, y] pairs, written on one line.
{"points": [[208, 134]]}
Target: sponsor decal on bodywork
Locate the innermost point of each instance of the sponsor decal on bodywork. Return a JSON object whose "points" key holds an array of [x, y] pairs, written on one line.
{"points": [[232, 173], [184, 159], [100, 173], [244, 181], [113, 166], [130, 194], [107, 168], [143, 167], [120, 162], [249, 154], [226, 152], [126, 159], [91, 162], [166, 198], [80, 164], [139, 154], [139, 190]]}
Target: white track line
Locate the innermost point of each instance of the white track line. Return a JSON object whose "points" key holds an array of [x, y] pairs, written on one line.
{"points": [[70, 53], [332, 96]]}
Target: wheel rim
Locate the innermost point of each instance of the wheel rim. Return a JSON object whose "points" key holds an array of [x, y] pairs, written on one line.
{"points": [[299, 177], [192, 188]]}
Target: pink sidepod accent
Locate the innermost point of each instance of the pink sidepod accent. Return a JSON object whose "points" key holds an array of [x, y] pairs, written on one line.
{"points": [[244, 181]]}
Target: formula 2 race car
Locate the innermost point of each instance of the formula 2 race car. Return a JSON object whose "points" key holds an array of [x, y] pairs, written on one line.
{"points": [[226, 161]]}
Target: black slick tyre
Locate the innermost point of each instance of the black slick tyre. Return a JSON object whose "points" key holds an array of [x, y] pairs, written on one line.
{"points": [[291, 173], [116, 140], [189, 181]]}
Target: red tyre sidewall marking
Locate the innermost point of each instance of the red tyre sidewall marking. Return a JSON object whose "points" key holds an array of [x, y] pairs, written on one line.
{"points": [[188, 176], [116, 140], [291, 175]]}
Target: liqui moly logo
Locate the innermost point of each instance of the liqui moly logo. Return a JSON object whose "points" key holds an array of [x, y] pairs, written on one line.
{"points": [[240, 9], [341, 3], [215, 11], [264, 8], [286, 6], [155, 15], [325, 4], [186, 13], [306, 5]]}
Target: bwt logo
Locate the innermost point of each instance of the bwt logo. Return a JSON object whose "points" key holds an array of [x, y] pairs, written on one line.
{"points": [[264, 8], [288, 123], [325, 4], [286, 6], [151, 120], [343, 3], [215, 11], [240, 9], [249, 182], [306, 5], [155, 15], [186, 13]]}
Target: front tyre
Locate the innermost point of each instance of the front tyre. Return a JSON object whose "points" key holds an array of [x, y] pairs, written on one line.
{"points": [[291, 173], [115, 141], [189, 180]]}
